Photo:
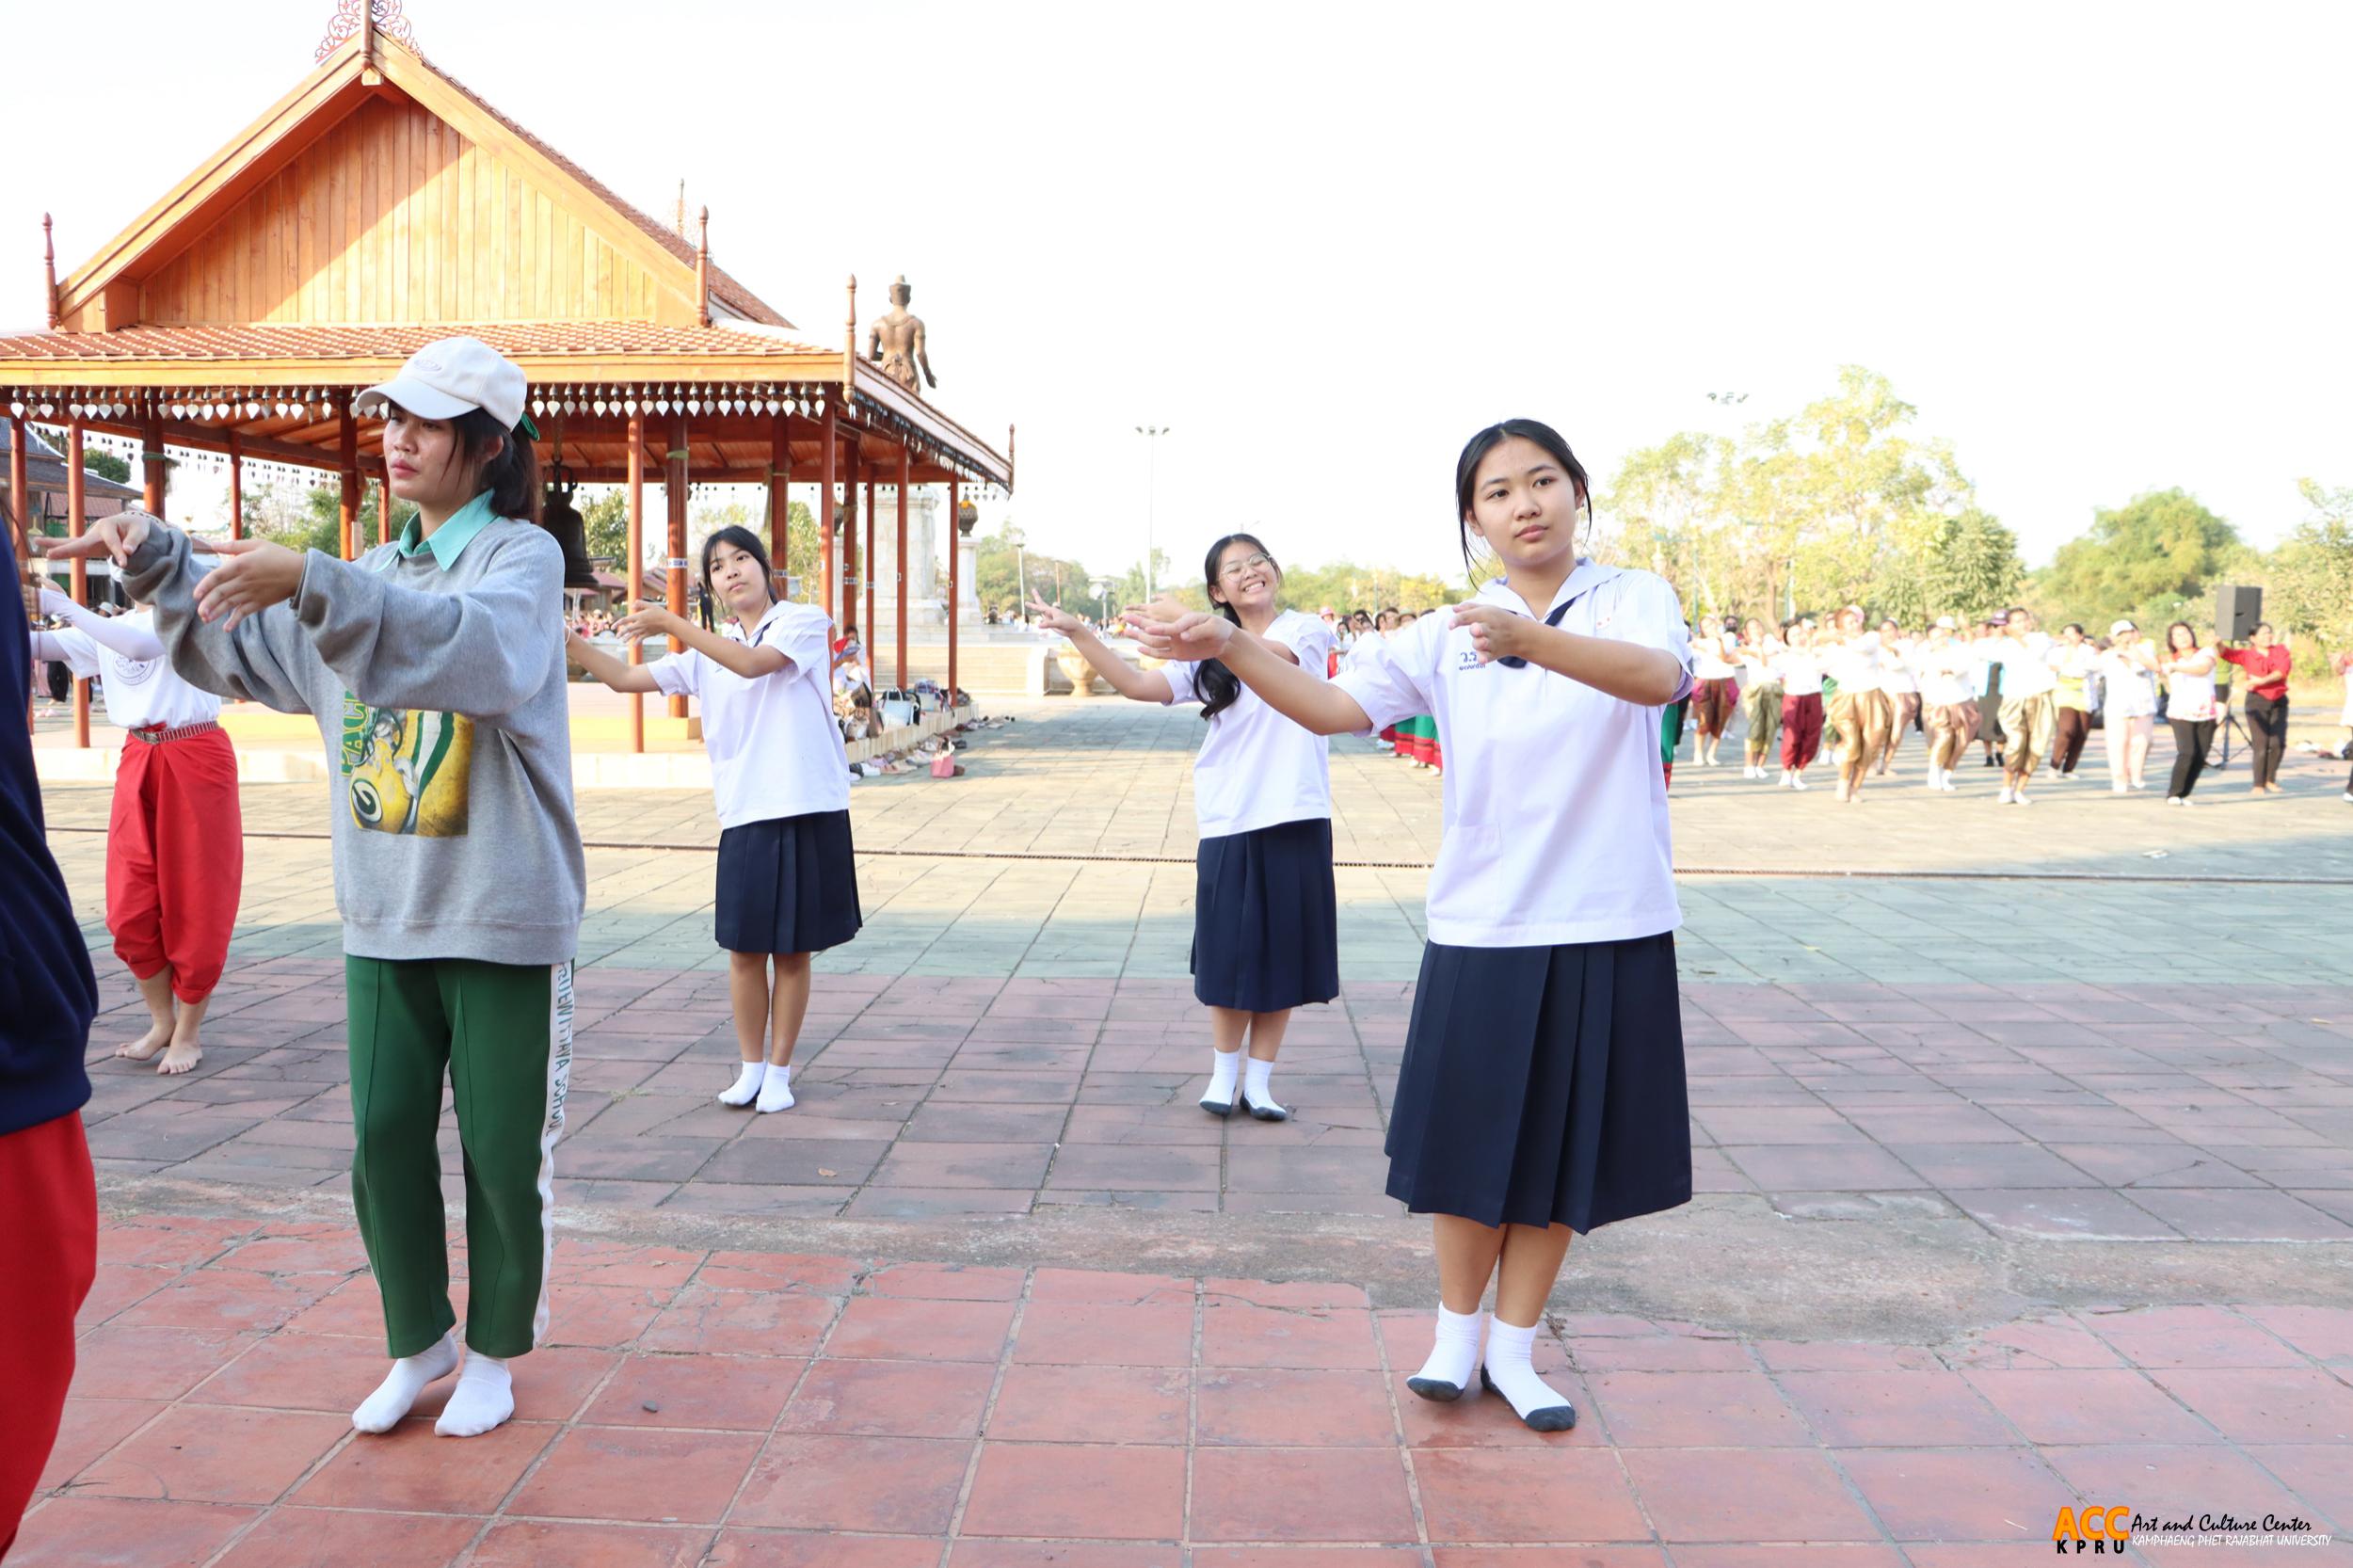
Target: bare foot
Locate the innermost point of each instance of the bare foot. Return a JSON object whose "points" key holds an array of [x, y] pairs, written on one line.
{"points": [[183, 1057], [158, 1035]]}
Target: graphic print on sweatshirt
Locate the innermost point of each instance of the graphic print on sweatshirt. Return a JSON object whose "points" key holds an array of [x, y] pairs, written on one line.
{"points": [[407, 771]]}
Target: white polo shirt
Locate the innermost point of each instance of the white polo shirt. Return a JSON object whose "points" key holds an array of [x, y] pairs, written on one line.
{"points": [[140, 693], [2025, 665], [1555, 806], [1257, 768], [1800, 670], [776, 750]]}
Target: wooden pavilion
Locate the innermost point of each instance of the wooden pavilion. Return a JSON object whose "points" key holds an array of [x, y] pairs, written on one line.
{"points": [[380, 206]]}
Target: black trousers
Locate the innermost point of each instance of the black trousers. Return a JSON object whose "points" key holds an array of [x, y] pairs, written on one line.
{"points": [[2267, 728], [2191, 737], [2075, 727]]}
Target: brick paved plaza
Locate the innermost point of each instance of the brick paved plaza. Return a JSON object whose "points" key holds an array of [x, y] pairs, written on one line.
{"points": [[2026, 1181]]}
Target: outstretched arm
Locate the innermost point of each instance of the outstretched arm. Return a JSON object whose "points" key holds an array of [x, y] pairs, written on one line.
{"points": [[602, 666], [1130, 682], [131, 642], [743, 658], [1171, 632]]}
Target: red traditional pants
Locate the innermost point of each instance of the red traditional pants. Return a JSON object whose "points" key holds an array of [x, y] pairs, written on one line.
{"points": [[48, 1257], [175, 860], [1801, 730]]}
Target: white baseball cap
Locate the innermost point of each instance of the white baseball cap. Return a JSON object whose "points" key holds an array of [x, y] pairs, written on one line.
{"points": [[2120, 628], [455, 376], [1945, 623]]}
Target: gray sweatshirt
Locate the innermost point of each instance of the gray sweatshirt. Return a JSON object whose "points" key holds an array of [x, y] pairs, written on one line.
{"points": [[440, 694]]}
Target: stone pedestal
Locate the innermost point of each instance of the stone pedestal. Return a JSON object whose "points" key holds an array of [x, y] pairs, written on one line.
{"points": [[926, 607], [968, 582]]}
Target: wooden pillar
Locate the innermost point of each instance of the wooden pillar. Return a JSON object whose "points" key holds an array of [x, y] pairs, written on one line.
{"points": [[824, 511], [236, 489], [152, 467], [899, 592], [633, 568], [76, 514], [21, 521], [873, 634], [846, 612], [955, 580], [348, 459], [779, 509], [675, 483]]}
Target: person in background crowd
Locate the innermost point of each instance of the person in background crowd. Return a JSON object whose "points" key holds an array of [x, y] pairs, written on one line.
{"points": [[1940, 664], [1800, 668], [2074, 661], [1760, 697], [1858, 707], [2267, 661], [1989, 685], [1901, 683], [2128, 700], [1713, 700], [2342, 663], [2189, 706]]}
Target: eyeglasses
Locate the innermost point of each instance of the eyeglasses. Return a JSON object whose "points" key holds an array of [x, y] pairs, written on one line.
{"points": [[1236, 571]]}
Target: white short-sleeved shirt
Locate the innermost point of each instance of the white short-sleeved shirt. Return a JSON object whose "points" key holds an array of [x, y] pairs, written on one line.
{"points": [[142, 694], [2129, 690], [2025, 665], [1939, 671], [1257, 768], [2189, 696], [1800, 670], [776, 750], [1713, 664], [1896, 673], [1854, 664], [1555, 804]]}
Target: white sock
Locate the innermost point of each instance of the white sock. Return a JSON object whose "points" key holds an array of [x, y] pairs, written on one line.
{"points": [[1225, 1070], [1452, 1359], [776, 1088], [485, 1396], [746, 1084], [1256, 1093], [1510, 1374], [382, 1410]]}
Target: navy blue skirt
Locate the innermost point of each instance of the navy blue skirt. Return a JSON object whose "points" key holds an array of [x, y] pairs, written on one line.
{"points": [[1543, 1085], [1266, 922], [787, 885]]}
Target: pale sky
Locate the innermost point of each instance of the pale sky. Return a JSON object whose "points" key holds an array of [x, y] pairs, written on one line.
{"points": [[2101, 248]]}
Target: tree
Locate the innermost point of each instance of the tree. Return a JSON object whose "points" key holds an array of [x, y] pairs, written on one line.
{"points": [[312, 519], [1969, 568], [2145, 560], [2307, 581], [107, 465]]}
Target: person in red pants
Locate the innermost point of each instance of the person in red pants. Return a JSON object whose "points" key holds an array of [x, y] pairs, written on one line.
{"points": [[49, 1242], [175, 844]]}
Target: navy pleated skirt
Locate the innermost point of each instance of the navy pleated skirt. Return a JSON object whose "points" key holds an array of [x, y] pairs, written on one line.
{"points": [[1266, 923], [787, 885], [1543, 1085]]}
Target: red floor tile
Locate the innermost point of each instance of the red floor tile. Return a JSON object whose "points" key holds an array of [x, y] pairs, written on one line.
{"points": [[412, 1470], [1579, 1493], [1482, 1420], [124, 1532], [603, 1317], [1911, 1410], [1042, 1403], [752, 1549], [1958, 1494], [891, 1398], [552, 1382], [2090, 1405], [87, 1428], [1299, 1495], [170, 1240], [116, 1287], [353, 1308], [1812, 1554], [226, 1299], [121, 1362], [945, 1282], [702, 1321], [2322, 1332], [1147, 1334], [298, 1372], [216, 1454], [1547, 1557], [757, 1271], [1072, 1490], [1236, 1332], [1282, 1557], [1657, 1353], [734, 1393], [1289, 1408], [2268, 1404], [537, 1543], [1089, 1285], [882, 1329], [642, 1474], [1064, 1554], [2316, 1472], [2057, 1341], [1681, 1410], [2157, 1479], [329, 1538], [2190, 1336], [882, 1485], [590, 1261], [1746, 1494]]}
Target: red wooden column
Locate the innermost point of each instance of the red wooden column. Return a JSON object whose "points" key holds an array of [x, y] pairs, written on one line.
{"points": [[76, 514], [347, 459], [675, 484], [152, 467], [825, 509], [21, 521], [634, 568], [237, 492], [955, 580], [906, 470], [874, 637], [780, 504]]}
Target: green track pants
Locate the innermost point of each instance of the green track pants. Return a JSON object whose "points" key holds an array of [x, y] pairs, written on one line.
{"points": [[500, 1034]]}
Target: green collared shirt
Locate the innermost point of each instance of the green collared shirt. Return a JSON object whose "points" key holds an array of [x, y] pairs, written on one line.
{"points": [[450, 540]]}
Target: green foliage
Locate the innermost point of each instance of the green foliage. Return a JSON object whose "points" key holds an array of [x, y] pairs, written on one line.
{"points": [[2307, 581], [312, 519], [1970, 569], [107, 465], [2149, 559]]}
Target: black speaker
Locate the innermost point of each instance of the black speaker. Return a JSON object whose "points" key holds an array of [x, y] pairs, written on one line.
{"points": [[2236, 613]]}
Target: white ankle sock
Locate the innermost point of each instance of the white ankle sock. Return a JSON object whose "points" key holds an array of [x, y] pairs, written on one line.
{"points": [[746, 1084], [1224, 1071], [1452, 1359], [382, 1410], [485, 1396], [776, 1088], [1256, 1093], [1510, 1374]]}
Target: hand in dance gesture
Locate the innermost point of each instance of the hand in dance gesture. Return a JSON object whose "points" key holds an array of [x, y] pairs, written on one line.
{"points": [[1496, 633], [649, 620], [114, 536], [1054, 618], [1169, 630], [254, 575]]}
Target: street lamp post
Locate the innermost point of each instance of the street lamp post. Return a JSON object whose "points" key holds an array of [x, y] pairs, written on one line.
{"points": [[1152, 434]]}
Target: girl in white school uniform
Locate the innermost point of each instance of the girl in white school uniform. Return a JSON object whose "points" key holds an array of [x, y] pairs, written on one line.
{"points": [[1543, 1088], [788, 873], [1266, 917]]}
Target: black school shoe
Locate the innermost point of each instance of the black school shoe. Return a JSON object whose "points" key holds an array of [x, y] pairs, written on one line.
{"points": [[1552, 1417]]}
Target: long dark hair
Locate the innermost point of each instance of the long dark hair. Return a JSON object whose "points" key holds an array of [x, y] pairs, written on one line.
{"points": [[747, 541], [2185, 626], [511, 471], [1214, 681], [1475, 452]]}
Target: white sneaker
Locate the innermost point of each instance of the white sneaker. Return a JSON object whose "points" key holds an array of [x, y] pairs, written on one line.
{"points": [[2119, 787], [1797, 781], [2020, 799], [2348, 794], [1950, 788], [2008, 795]]}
